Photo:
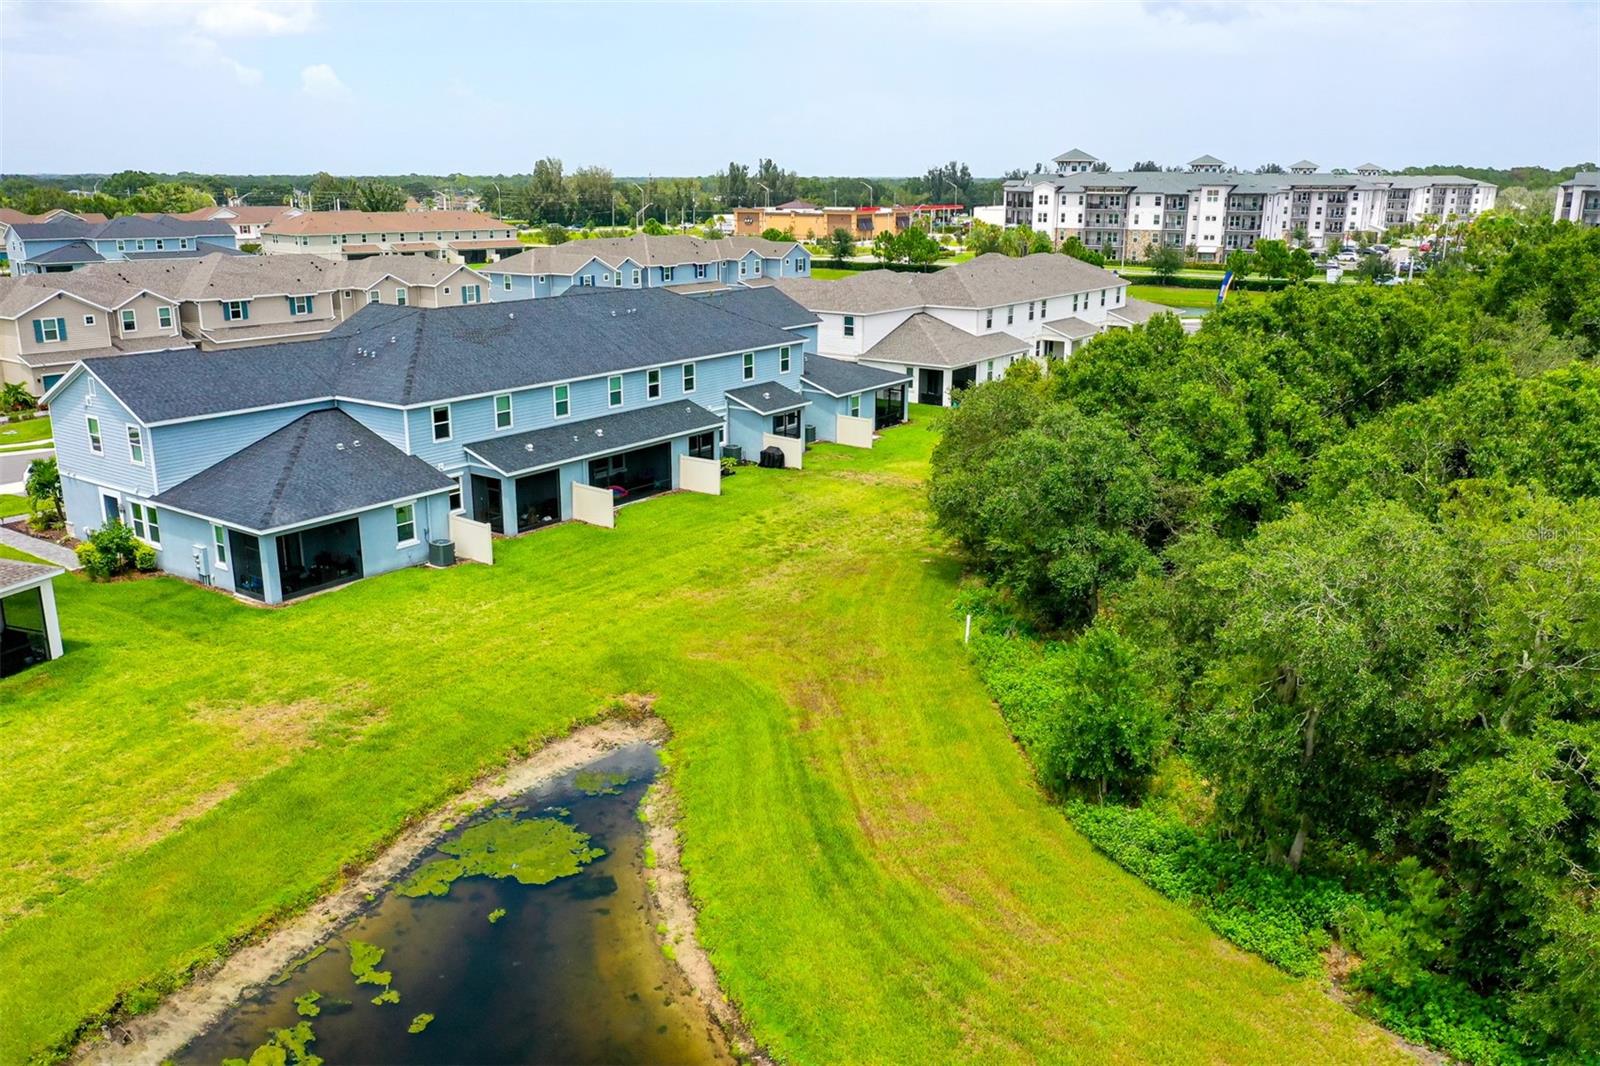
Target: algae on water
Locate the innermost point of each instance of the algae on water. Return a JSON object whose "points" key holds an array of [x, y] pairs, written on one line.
{"points": [[534, 851], [419, 1023], [595, 783], [289, 970], [388, 995], [364, 959], [285, 1047], [306, 1005], [496, 914]]}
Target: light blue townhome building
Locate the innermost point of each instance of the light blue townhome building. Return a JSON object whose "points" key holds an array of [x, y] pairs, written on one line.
{"points": [[69, 243], [276, 471], [684, 264]]}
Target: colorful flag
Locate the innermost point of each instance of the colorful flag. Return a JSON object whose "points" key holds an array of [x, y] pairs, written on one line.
{"points": [[1222, 293]]}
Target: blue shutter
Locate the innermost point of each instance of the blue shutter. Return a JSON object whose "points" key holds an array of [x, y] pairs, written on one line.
{"points": [[226, 316], [61, 328], [38, 330], [246, 306], [311, 305], [291, 306]]}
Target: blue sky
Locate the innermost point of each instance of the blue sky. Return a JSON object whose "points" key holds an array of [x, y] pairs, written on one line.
{"points": [[856, 88]]}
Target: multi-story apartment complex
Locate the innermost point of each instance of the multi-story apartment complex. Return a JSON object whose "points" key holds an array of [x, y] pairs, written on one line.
{"points": [[1214, 210], [457, 236], [246, 220], [281, 471], [1578, 199], [683, 264], [69, 242]]}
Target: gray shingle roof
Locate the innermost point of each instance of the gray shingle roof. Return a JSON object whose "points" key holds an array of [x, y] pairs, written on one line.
{"points": [[190, 253], [923, 340], [414, 355], [767, 398], [767, 305], [1206, 161], [1076, 155], [123, 227], [1137, 312], [988, 281], [1073, 327], [1304, 164], [671, 250], [14, 573], [74, 252], [320, 465], [840, 377], [539, 449]]}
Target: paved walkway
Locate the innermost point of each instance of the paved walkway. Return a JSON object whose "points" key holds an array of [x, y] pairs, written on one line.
{"points": [[43, 549]]}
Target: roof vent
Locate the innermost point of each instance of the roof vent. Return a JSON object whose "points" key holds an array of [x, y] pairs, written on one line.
{"points": [[529, 447], [355, 444], [600, 432], [391, 340], [511, 314], [766, 395], [339, 447]]}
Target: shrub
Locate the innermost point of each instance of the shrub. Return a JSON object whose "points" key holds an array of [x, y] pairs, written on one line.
{"points": [[93, 561], [111, 550], [144, 557]]}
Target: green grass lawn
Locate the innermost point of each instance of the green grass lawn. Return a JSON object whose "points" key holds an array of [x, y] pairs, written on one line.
{"points": [[1177, 296], [34, 429], [11, 506], [878, 877]]}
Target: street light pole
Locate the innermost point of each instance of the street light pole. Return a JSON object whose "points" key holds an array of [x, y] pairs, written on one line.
{"points": [[636, 185], [768, 191], [872, 200]]}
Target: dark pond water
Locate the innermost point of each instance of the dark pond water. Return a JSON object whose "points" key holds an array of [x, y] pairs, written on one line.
{"points": [[571, 973]]}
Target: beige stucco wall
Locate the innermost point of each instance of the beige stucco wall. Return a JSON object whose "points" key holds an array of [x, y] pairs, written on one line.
{"points": [[79, 336], [147, 318]]}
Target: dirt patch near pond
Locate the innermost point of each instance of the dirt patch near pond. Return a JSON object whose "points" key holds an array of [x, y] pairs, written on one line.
{"points": [[669, 892], [153, 1037]]}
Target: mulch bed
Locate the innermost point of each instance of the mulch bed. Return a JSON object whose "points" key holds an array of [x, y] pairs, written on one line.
{"points": [[54, 536]]}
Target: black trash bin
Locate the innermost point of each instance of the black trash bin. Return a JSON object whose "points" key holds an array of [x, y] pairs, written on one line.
{"points": [[772, 457]]}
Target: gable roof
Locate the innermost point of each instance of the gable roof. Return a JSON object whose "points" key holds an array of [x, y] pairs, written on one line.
{"points": [[923, 340], [386, 354], [71, 252], [1076, 155], [767, 305], [322, 465], [243, 215], [991, 280], [840, 377], [767, 398], [670, 250], [16, 574], [1206, 161], [322, 223], [123, 227]]}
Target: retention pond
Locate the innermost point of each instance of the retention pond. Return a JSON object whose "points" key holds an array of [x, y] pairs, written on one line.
{"points": [[525, 935]]}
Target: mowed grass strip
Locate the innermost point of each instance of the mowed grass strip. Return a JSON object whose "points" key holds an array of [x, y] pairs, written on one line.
{"points": [[879, 880]]}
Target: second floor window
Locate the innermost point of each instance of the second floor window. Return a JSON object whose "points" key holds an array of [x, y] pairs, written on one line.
{"points": [[652, 384], [49, 330], [688, 377], [502, 412], [441, 423], [470, 294], [135, 446], [164, 317], [95, 443], [1011, 314], [988, 319], [849, 325], [372, 296], [299, 305], [563, 400], [749, 365], [130, 321], [666, 274], [400, 297], [783, 359], [235, 310], [614, 391]]}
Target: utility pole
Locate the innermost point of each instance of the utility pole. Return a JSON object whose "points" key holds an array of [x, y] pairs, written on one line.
{"points": [[872, 200], [636, 185], [768, 191]]}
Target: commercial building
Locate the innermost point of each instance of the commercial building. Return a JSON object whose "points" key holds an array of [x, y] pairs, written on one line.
{"points": [[1213, 210]]}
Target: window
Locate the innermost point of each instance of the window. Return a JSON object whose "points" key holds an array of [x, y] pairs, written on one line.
{"points": [[688, 377], [635, 276], [502, 411], [441, 423], [1030, 310], [164, 317], [703, 445], [699, 271], [666, 274], [617, 281], [49, 330], [988, 319], [799, 265], [235, 310], [372, 296], [122, 246], [749, 365], [563, 400], [786, 424], [652, 384], [1042, 305], [783, 359], [1102, 297], [1011, 314], [405, 525], [756, 266], [400, 296], [614, 391], [1074, 302], [219, 538], [299, 305], [741, 268], [146, 526], [849, 325], [135, 446], [470, 294], [456, 497], [88, 320], [506, 282], [855, 406], [95, 444]]}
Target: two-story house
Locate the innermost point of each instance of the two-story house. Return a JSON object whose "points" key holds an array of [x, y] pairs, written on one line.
{"points": [[48, 322], [246, 220], [67, 243], [456, 236], [288, 468], [969, 322], [683, 264]]}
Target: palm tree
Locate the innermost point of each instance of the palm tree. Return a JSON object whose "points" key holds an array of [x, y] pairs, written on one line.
{"points": [[16, 397]]}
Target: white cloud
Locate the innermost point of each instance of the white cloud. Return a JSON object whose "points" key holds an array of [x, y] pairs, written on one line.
{"points": [[320, 81], [273, 18]]}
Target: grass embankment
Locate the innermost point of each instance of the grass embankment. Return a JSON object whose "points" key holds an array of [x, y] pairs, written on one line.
{"points": [[879, 879]]}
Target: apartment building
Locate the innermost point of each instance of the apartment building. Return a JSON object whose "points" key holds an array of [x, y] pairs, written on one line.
{"points": [[455, 236], [968, 323], [246, 221], [1214, 210], [69, 242], [289, 469], [1578, 199], [683, 264]]}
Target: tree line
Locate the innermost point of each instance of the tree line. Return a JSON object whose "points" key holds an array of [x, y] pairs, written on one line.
{"points": [[1313, 594]]}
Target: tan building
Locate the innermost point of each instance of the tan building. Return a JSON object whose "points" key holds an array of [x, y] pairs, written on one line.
{"points": [[50, 321], [453, 236], [812, 223], [247, 221]]}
